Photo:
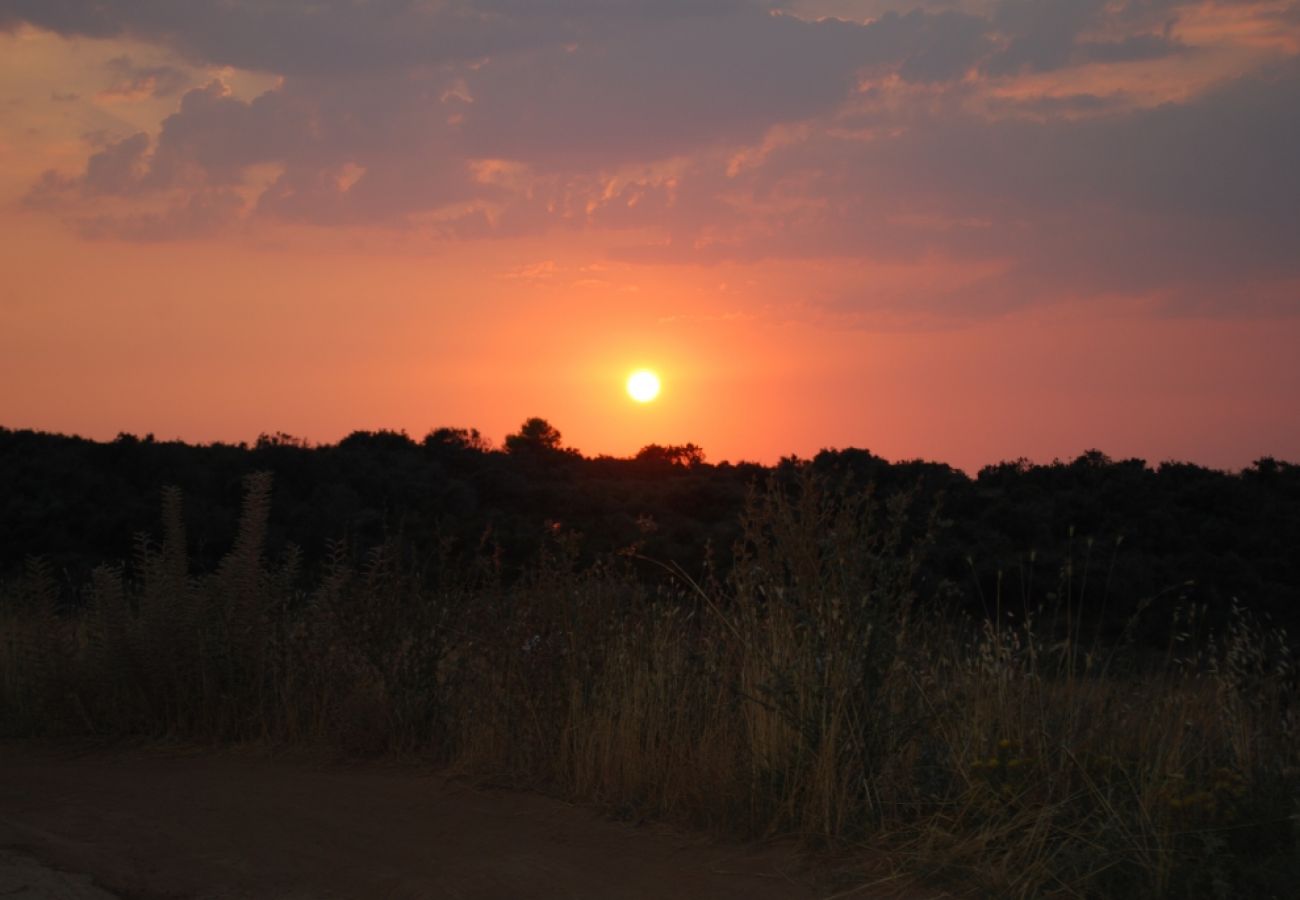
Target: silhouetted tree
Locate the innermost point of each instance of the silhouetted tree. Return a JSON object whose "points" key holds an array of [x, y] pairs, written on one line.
{"points": [[536, 434], [672, 454], [376, 440], [281, 439], [457, 439]]}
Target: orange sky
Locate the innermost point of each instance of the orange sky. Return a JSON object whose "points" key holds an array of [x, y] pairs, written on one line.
{"points": [[965, 232]]}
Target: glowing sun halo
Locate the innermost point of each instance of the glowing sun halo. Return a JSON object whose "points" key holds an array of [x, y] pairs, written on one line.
{"points": [[643, 385]]}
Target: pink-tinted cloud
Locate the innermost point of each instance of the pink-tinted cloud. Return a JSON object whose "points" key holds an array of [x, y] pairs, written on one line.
{"points": [[704, 132]]}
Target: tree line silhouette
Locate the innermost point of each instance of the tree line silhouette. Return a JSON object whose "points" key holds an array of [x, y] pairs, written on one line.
{"points": [[1105, 536]]}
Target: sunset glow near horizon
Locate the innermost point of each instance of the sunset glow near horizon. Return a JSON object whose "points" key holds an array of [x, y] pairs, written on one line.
{"points": [[963, 231]]}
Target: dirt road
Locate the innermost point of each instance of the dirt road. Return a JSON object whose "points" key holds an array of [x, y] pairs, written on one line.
{"points": [[149, 825]]}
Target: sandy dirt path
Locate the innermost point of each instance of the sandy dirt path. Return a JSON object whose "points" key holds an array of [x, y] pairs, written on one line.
{"points": [[147, 825]]}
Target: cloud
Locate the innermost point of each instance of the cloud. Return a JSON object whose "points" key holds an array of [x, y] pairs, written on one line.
{"points": [[1044, 35], [641, 82], [215, 136], [1133, 48], [1198, 202], [714, 130], [118, 168], [1050, 106], [201, 214], [133, 82], [661, 89], [925, 46], [297, 37]]}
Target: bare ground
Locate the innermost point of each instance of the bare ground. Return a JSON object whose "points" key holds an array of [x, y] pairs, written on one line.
{"points": [[145, 824]]}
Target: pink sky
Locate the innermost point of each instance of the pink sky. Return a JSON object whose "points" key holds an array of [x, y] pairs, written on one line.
{"points": [[961, 231]]}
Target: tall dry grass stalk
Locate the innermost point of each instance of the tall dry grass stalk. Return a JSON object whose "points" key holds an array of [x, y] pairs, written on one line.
{"points": [[811, 693]]}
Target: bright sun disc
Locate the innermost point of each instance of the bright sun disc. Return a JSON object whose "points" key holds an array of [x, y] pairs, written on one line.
{"points": [[643, 386]]}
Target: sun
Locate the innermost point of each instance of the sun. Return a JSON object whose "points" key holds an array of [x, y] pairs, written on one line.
{"points": [[643, 385]]}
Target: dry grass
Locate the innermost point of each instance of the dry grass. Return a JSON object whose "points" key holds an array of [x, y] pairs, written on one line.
{"points": [[811, 694]]}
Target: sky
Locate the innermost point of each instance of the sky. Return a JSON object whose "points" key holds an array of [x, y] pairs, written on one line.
{"points": [[958, 230]]}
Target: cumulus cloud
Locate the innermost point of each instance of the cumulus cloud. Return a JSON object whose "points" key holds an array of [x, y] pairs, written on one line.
{"points": [[115, 169]]}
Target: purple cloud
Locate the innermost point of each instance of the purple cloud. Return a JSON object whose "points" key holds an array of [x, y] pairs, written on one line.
{"points": [[726, 129]]}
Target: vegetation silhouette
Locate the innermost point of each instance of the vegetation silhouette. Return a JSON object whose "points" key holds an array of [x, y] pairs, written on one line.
{"points": [[822, 686], [536, 436], [1172, 535]]}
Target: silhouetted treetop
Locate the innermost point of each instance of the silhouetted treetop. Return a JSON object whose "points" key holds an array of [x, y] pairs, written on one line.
{"points": [[672, 454], [376, 440], [535, 435], [281, 439], [457, 439]]}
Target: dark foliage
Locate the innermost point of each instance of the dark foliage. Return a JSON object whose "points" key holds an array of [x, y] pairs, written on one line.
{"points": [[1096, 535]]}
